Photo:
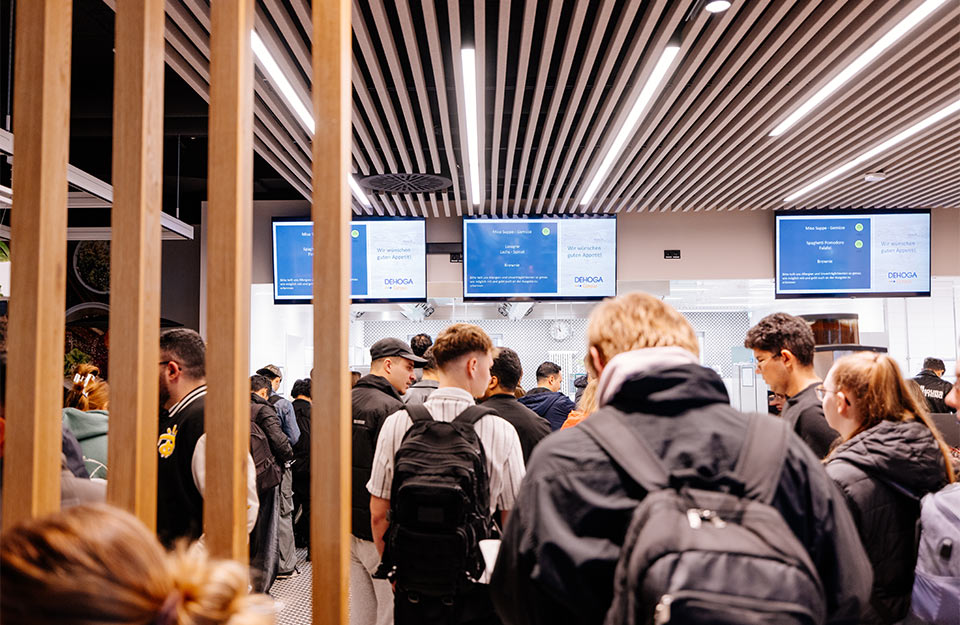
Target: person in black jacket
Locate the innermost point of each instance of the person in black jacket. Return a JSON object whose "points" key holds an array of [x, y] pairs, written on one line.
{"points": [[891, 456], [505, 374], [546, 399], [269, 421], [783, 347], [302, 404], [563, 539], [375, 397], [934, 388], [265, 543]]}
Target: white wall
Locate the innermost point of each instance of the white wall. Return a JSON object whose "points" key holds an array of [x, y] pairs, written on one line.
{"points": [[713, 245]]}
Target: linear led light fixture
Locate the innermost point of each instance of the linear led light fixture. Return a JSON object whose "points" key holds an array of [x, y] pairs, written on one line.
{"points": [[286, 89], [629, 125], [882, 147], [891, 37], [281, 82], [469, 63], [357, 191]]}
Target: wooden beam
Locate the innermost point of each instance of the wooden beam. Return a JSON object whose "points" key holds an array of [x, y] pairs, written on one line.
{"points": [[330, 447], [135, 257], [229, 239], [38, 244]]}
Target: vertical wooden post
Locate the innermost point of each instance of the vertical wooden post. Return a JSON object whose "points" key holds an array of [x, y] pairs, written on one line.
{"points": [[135, 257], [229, 240], [38, 243], [330, 447]]}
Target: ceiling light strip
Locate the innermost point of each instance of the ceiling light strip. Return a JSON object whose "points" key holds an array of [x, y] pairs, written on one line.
{"points": [[469, 62], [891, 37], [280, 81], [878, 149], [629, 125], [357, 191]]}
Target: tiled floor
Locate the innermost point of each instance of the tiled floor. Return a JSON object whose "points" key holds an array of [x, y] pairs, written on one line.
{"points": [[295, 594]]}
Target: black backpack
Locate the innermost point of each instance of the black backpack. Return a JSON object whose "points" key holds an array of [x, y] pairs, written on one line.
{"points": [[439, 506], [718, 552], [268, 473]]}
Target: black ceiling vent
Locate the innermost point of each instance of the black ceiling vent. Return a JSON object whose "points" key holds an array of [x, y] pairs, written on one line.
{"points": [[406, 183]]}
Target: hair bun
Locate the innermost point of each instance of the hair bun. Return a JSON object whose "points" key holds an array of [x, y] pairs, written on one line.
{"points": [[215, 591]]}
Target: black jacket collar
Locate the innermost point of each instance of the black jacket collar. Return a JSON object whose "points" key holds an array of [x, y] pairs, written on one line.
{"points": [[379, 383]]}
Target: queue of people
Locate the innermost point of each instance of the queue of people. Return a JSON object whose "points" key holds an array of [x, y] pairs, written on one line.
{"points": [[651, 499]]}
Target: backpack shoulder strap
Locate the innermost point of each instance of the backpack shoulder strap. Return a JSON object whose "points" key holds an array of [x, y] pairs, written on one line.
{"points": [[418, 412], [761, 457], [626, 449], [273, 399], [471, 415]]}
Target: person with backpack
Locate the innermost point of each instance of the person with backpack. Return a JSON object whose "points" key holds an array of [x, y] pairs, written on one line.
{"points": [[441, 470], [288, 423], [272, 455], [374, 397], [890, 458], [667, 505]]}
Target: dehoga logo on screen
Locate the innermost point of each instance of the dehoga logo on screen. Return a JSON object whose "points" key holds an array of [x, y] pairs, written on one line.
{"points": [[901, 274], [397, 282], [590, 282]]}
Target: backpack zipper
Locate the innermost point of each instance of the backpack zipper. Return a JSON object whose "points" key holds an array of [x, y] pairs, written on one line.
{"points": [[661, 613], [696, 517]]}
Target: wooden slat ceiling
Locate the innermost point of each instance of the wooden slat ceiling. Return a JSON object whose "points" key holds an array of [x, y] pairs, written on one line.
{"points": [[559, 77]]}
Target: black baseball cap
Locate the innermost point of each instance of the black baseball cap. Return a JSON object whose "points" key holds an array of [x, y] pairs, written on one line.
{"points": [[385, 348]]}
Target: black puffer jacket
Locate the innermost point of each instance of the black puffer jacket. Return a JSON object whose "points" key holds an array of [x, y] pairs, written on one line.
{"points": [[374, 399], [874, 469], [266, 417], [301, 450], [563, 538]]}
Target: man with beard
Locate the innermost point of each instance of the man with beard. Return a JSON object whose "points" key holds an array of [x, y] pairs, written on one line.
{"points": [[181, 467]]}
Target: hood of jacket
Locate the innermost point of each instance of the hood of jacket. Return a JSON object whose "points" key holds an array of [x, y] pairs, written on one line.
{"points": [[670, 391], [903, 454], [86, 424]]}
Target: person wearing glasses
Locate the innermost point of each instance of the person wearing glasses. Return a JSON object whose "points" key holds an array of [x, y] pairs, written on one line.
{"points": [[783, 347], [181, 445], [891, 455]]}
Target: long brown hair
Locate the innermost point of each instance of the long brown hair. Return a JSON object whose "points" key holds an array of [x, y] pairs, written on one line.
{"points": [[97, 564], [89, 391], [882, 394]]}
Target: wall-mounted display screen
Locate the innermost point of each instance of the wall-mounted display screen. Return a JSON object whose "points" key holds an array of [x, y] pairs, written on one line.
{"points": [[852, 253], [388, 261], [539, 258]]}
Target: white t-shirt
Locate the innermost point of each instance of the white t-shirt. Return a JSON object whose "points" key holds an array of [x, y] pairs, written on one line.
{"points": [[501, 446]]}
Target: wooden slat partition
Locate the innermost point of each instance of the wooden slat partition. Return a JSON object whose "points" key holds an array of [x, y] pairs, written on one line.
{"points": [[39, 250], [330, 447], [135, 257], [229, 240]]}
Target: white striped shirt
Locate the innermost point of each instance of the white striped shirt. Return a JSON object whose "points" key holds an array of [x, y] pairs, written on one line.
{"points": [[501, 446]]}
